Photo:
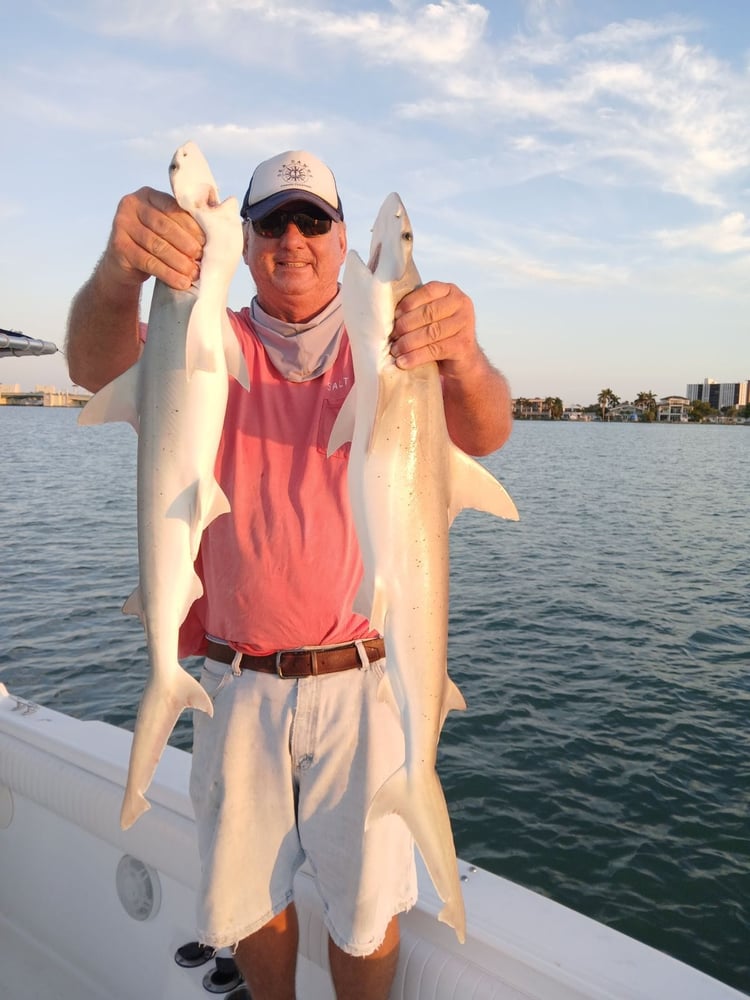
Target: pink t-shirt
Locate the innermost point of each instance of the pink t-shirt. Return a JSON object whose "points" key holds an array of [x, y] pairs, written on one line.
{"points": [[282, 569]]}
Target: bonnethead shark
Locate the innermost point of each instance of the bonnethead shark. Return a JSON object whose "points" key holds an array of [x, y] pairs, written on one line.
{"points": [[407, 481], [175, 397]]}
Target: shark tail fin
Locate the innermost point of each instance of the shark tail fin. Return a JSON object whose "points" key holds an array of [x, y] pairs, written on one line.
{"points": [[421, 805], [161, 706]]}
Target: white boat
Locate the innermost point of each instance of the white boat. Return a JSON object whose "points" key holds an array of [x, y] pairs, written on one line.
{"points": [[89, 912]]}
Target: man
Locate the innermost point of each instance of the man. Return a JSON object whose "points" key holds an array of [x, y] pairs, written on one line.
{"points": [[287, 766]]}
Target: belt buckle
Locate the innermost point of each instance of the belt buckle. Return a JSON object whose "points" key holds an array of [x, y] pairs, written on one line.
{"points": [[279, 654], [313, 654]]}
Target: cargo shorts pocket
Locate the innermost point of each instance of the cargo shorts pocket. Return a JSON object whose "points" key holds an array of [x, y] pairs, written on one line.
{"points": [[215, 677]]}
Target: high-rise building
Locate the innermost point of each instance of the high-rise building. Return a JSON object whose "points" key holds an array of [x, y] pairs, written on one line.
{"points": [[719, 395]]}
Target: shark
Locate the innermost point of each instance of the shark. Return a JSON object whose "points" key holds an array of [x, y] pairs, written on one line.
{"points": [[407, 481], [175, 397]]}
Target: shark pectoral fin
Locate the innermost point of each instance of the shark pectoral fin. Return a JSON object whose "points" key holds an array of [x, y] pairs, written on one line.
{"points": [[160, 708], [114, 402], [134, 604], [236, 364], [473, 486], [343, 425]]}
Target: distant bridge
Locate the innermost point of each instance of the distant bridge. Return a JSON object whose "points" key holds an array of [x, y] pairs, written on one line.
{"points": [[43, 397]]}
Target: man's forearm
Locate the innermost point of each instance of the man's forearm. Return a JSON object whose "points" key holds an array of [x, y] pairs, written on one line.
{"points": [[478, 408], [103, 333]]}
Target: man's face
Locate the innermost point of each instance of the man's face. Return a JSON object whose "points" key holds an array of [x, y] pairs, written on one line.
{"points": [[295, 276]]}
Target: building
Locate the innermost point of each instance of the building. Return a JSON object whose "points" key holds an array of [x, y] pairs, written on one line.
{"points": [[577, 412], [624, 413], [528, 409], [719, 395], [673, 409]]}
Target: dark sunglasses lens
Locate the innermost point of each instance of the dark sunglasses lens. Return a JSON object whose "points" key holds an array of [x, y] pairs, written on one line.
{"points": [[269, 226], [274, 225], [312, 225]]}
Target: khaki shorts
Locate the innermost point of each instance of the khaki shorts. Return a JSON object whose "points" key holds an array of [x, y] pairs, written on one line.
{"points": [[283, 773]]}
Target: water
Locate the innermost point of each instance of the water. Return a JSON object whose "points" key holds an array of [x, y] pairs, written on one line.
{"points": [[602, 644]]}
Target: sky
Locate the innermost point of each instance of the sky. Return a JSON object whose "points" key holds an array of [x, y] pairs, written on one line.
{"points": [[581, 169]]}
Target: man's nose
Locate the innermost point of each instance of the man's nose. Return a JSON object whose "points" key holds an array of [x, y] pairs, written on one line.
{"points": [[291, 233]]}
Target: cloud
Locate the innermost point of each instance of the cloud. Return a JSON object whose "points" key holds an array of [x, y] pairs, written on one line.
{"points": [[434, 34], [516, 258], [632, 103], [634, 93], [728, 235], [413, 33], [67, 92], [230, 137]]}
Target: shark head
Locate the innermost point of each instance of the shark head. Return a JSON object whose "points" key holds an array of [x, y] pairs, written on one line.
{"points": [[192, 182], [195, 191], [392, 244]]}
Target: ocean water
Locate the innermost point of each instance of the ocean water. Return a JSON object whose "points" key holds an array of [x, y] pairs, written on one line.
{"points": [[602, 644]]}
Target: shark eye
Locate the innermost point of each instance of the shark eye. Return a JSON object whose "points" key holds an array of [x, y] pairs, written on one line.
{"points": [[408, 236]]}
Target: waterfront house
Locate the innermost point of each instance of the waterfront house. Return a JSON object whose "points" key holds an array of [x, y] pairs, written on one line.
{"points": [[673, 409]]}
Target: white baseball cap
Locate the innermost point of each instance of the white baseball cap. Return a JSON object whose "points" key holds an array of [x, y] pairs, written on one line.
{"points": [[295, 175]]}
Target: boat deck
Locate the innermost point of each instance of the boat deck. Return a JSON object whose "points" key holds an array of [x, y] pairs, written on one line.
{"points": [[90, 911]]}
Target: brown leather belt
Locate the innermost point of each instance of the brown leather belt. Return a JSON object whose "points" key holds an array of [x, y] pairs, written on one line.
{"points": [[301, 662]]}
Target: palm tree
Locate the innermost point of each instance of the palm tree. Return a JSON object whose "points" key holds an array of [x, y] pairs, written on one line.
{"points": [[646, 402], [554, 406], [519, 405], [607, 399]]}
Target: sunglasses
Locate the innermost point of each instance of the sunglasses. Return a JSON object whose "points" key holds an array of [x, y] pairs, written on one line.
{"points": [[274, 225]]}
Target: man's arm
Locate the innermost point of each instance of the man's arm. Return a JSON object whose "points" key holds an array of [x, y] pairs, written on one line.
{"points": [[436, 323], [151, 235]]}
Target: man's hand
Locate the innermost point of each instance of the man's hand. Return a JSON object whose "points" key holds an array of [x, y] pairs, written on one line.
{"points": [[435, 322], [152, 235]]}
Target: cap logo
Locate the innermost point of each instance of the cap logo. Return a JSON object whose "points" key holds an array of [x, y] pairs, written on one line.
{"points": [[295, 172]]}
